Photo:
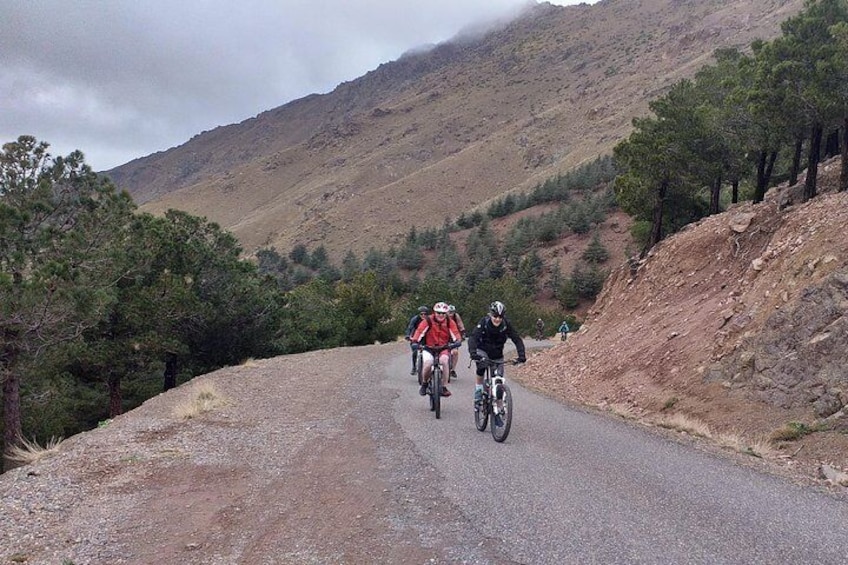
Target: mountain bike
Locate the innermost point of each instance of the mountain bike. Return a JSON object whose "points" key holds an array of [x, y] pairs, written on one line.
{"points": [[496, 402], [434, 386]]}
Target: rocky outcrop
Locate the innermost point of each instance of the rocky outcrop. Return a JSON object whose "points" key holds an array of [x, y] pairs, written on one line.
{"points": [[799, 357]]}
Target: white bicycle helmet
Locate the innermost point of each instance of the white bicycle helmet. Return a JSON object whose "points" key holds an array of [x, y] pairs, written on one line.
{"points": [[440, 308], [497, 308], [451, 308]]}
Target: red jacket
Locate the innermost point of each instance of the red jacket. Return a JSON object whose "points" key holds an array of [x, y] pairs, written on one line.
{"points": [[434, 333]]}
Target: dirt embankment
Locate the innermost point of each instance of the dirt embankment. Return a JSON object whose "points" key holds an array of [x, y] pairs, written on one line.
{"points": [[739, 322]]}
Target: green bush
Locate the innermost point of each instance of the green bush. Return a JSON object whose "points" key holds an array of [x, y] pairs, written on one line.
{"points": [[588, 282], [595, 253]]}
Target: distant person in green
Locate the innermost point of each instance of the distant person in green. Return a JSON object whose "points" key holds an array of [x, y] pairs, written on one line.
{"points": [[563, 329], [540, 329]]}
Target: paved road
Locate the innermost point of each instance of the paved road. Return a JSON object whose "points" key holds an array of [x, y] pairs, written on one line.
{"points": [[573, 487]]}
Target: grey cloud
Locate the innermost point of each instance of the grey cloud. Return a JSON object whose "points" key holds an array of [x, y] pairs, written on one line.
{"points": [[121, 79]]}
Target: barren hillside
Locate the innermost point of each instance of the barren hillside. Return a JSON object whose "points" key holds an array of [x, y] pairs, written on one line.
{"points": [[447, 129]]}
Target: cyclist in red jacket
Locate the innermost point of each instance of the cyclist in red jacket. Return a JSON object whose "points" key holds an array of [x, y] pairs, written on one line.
{"points": [[434, 332]]}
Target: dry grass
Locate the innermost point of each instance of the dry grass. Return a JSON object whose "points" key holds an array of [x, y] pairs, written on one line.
{"points": [[202, 398], [683, 423], [622, 410], [792, 431], [30, 451], [758, 447]]}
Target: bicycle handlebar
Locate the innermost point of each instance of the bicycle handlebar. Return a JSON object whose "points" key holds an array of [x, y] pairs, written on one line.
{"points": [[439, 349], [488, 362]]}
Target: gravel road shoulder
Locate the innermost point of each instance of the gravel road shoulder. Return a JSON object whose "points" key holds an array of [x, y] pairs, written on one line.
{"points": [[303, 464]]}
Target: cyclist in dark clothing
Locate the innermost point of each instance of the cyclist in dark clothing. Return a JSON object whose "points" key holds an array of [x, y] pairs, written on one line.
{"points": [[413, 323], [454, 315], [488, 339]]}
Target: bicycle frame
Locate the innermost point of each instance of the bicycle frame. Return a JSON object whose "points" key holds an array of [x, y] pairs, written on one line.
{"points": [[497, 401], [434, 389]]}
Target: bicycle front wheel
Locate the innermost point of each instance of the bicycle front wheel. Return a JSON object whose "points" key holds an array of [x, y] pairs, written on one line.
{"points": [[481, 415], [437, 392], [502, 414]]}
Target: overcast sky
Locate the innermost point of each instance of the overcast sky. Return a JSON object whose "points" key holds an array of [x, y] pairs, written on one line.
{"points": [[121, 79]]}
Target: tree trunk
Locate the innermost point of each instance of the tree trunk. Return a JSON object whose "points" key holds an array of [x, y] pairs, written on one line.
{"points": [[796, 161], [12, 431], [656, 226], [843, 173], [831, 145], [715, 196], [813, 162], [170, 371], [770, 168], [115, 398], [735, 191], [760, 189]]}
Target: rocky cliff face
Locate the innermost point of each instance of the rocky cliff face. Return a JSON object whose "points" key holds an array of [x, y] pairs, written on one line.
{"points": [[787, 344]]}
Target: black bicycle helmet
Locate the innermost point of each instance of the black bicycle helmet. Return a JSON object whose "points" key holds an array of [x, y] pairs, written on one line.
{"points": [[497, 308], [423, 310]]}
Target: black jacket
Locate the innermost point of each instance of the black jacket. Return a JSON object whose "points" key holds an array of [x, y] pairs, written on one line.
{"points": [[413, 323], [491, 338]]}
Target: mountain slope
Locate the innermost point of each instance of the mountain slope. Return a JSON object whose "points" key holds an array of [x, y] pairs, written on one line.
{"points": [[438, 132]]}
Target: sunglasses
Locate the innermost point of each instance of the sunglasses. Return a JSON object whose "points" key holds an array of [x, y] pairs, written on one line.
{"points": [[496, 316]]}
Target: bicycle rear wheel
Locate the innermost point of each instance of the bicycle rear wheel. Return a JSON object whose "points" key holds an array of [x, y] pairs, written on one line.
{"points": [[502, 414]]}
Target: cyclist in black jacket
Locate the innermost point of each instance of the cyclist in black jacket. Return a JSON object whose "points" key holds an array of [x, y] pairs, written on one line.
{"points": [[488, 339], [413, 323]]}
